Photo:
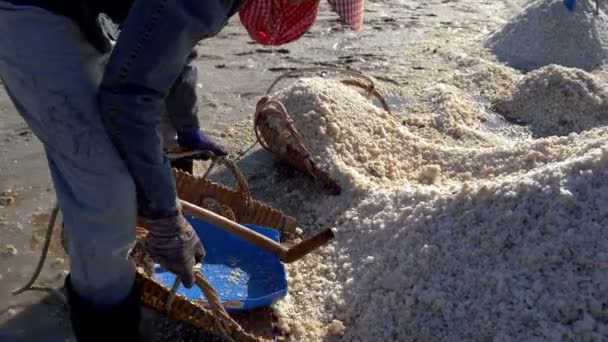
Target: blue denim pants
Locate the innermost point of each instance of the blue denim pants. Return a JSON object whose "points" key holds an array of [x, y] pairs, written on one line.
{"points": [[98, 120]]}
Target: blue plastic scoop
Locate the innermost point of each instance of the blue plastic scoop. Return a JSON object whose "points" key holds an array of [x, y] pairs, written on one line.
{"points": [[244, 275]]}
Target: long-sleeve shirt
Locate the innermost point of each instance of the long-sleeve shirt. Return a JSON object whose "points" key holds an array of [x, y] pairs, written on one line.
{"points": [[153, 47]]}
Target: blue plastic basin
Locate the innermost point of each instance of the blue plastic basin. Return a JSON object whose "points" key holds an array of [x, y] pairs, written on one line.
{"points": [[244, 275]]}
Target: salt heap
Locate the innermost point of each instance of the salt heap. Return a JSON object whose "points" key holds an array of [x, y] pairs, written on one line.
{"points": [[557, 100], [447, 231], [545, 32]]}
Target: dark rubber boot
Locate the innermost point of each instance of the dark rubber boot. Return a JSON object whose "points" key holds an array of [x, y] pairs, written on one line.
{"points": [[118, 323]]}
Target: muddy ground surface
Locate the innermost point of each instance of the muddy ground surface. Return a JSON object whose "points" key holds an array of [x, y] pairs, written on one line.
{"points": [[406, 46]]}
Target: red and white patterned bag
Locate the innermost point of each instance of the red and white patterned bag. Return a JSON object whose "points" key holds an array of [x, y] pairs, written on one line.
{"points": [[278, 22], [350, 12]]}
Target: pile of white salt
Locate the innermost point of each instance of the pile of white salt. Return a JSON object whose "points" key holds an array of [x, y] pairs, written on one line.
{"points": [[546, 32], [447, 230], [557, 101]]}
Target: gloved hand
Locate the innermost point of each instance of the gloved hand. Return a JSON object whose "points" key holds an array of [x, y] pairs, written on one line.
{"points": [[173, 244], [194, 139]]}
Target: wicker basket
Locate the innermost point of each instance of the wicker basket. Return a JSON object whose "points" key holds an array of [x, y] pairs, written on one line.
{"points": [[276, 132], [207, 316], [237, 205], [155, 296]]}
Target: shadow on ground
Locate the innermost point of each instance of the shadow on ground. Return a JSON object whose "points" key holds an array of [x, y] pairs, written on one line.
{"points": [[44, 320], [48, 320]]}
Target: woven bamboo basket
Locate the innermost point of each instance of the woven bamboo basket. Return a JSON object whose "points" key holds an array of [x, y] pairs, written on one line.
{"points": [[276, 132], [235, 204], [208, 316], [239, 206]]}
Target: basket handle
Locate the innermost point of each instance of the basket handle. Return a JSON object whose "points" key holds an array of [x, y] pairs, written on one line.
{"points": [[223, 322], [243, 187], [370, 87], [317, 69], [371, 91], [225, 325]]}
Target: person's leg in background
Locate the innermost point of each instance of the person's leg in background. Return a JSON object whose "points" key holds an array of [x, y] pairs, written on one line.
{"points": [[182, 110], [182, 115], [182, 101], [181, 104], [96, 194], [170, 144]]}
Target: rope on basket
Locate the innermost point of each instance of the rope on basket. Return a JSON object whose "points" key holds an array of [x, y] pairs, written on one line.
{"points": [[266, 103], [243, 186], [223, 320], [370, 87], [28, 286]]}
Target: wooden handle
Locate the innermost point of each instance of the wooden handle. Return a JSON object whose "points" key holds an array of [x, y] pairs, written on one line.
{"points": [[234, 228], [286, 255], [305, 247]]}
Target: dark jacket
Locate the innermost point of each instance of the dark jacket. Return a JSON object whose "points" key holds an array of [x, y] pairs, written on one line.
{"points": [[86, 14]]}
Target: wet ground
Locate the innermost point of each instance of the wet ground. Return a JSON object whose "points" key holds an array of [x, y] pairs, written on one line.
{"points": [[406, 45]]}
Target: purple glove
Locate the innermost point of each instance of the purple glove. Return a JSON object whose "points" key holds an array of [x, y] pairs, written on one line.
{"points": [[175, 246], [194, 139]]}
